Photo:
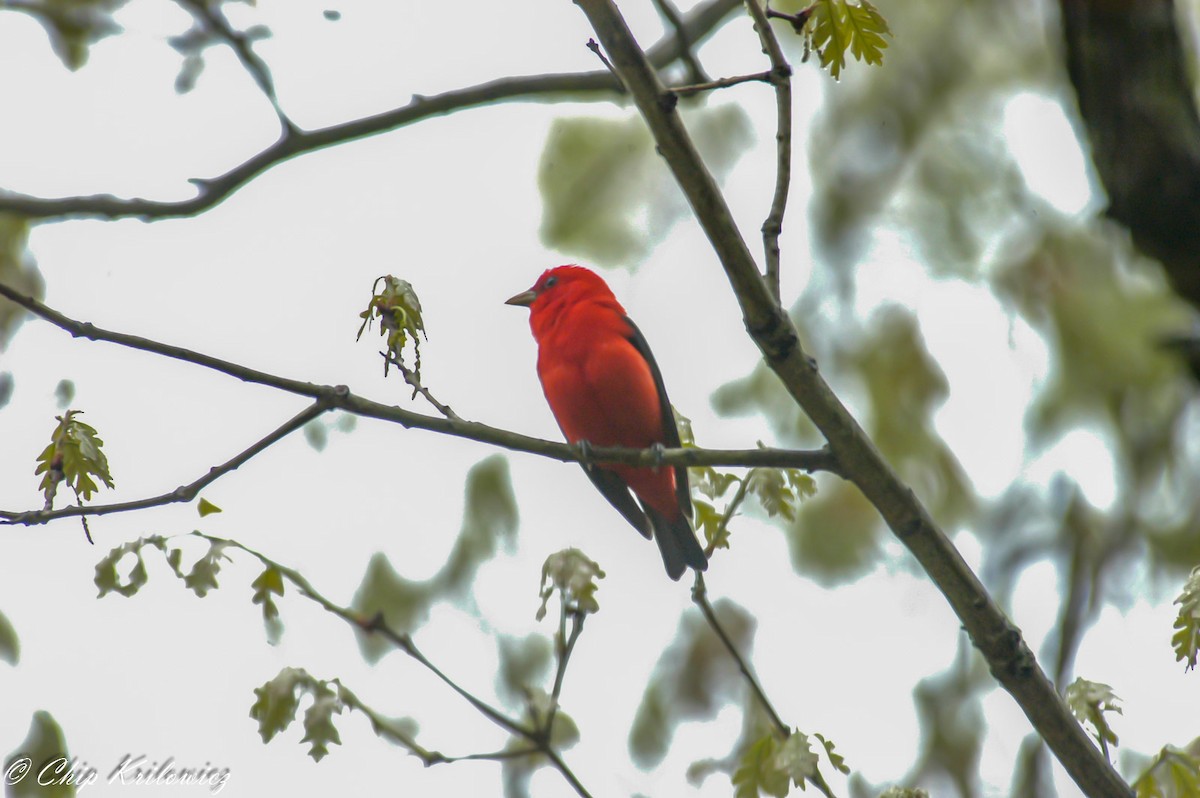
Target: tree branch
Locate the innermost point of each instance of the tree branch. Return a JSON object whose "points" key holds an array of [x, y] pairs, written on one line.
{"points": [[997, 638], [329, 397], [781, 79], [184, 493], [212, 191], [404, 642]]}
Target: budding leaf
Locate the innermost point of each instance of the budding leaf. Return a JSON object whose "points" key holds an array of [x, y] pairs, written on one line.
{"points": [[75, 456], [1088, 702], [398, 310]]}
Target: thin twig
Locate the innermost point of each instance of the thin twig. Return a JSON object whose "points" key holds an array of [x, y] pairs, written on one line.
{"points": [[722, 83], [781, 79], [595, 48], [411, 378], [211, 15], [564, 645], [700, 599], [670, 13], [575, 86], [184, 493]]}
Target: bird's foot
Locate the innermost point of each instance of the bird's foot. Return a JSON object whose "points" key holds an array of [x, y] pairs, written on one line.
{"points": [[585, 453], [658, 450]]}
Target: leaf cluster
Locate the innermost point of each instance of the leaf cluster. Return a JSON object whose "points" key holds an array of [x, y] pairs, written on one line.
{"points": [[75, 456], [398, 311], [573, 574], [278, 701], [835, 26]]}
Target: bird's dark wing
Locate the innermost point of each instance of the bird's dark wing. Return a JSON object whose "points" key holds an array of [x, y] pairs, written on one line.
{"points": [[618, 495], [683, 493]]}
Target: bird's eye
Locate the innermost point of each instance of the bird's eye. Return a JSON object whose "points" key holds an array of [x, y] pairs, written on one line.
{"points": [[551, 282]]}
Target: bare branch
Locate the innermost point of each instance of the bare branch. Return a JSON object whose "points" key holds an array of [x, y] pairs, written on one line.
{"points": [[721, 83], [670, 13], [329, 397], [576, 86], [184, 493], [781, 78], [997, 638]]}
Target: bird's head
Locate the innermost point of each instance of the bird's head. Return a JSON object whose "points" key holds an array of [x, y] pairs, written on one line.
{"points": [[561, 285]]}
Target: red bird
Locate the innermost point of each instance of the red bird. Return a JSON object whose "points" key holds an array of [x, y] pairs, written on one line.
{"points": [[605, 389]]}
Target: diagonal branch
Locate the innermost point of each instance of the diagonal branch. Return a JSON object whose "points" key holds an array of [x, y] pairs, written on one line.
{"points": [[184, 493], [329, 397], [575, 86], [997, 638], [404, 642]]}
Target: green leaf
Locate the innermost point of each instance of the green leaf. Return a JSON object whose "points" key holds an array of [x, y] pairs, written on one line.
{"points": [[757, 772], [708, 522], [319, 730], [269, 583], [835, 759], [74, 456], [573, 574], [44, 747], [108, 580], [797, 759], [206, 507], [203, 576], [836, 26], [1186, 639], [10, 645], [398, 310], [1088, 702], [277, 701]]}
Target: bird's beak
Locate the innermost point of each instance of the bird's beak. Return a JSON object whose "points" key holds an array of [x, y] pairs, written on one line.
{"points": [[524, 299]]}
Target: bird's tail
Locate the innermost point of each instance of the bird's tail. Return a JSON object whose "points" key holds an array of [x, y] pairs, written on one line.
{"points": [[677, 543]]}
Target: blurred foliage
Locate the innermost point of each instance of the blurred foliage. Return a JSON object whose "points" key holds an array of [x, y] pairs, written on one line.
{"points": [[192, 43], [835, 536], [44, 746], [1174, 773], [74, 25], [607, 195], [75, 455], [64, 393], [278, 701], [489, 518], [952, 721], [10, 644], [17, 271]]}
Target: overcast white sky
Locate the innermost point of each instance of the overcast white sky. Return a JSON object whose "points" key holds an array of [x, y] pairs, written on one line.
{"points": [[274, 277]]}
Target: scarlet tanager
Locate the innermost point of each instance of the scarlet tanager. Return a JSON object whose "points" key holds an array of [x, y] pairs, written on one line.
{"points": [[605, 389]]}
